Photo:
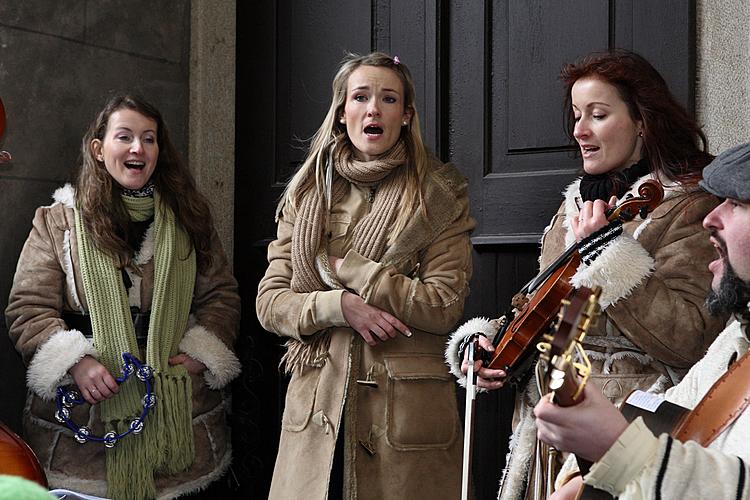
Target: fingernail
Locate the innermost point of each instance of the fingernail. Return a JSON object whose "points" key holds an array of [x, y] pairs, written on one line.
{"points": [[408, 333]]}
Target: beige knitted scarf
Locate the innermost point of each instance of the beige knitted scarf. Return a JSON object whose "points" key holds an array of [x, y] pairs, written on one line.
{"points": [[166, 442], [309, 255]]}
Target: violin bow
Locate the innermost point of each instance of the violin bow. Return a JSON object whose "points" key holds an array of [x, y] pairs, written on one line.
{"points": [[471, 396]]}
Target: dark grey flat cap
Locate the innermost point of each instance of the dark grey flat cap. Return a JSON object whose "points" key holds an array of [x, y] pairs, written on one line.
{"points": [[728, 176]]}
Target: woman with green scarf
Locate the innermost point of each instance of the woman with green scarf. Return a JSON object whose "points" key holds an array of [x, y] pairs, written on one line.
{"points": [[128, 261]]}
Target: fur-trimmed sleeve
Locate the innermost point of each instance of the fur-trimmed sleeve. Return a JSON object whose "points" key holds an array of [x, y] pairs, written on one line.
{"points": [[484, 326], [37, 295], [50, 365], [221, 363], [216, 309], [662, 271]]}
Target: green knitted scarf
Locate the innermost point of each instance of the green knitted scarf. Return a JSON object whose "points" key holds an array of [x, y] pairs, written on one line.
{"points": [[166, 443]]}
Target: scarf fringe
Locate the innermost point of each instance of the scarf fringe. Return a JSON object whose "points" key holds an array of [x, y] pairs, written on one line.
{"points": [[300, 355], [176, 438], [129, 470], [130, 465]]}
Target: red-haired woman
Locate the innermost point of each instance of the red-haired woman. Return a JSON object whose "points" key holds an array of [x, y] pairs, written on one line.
{"points": [[653, 271]]}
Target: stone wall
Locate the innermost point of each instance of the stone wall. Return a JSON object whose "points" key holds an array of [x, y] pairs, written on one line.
{"points": [[723, 71], [59, 62]]}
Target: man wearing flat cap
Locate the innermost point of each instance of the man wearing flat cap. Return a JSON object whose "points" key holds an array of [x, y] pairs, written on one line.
{"points": [[630, 462]]}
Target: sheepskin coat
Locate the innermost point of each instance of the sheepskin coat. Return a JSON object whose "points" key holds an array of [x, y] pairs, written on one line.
{"points": [[654, 325], [395, 401], [47, 282], [640, 466]]}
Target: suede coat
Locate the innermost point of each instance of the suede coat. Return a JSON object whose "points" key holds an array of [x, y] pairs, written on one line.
{"points": [[395, 402], [47, 282], [654, 324]]}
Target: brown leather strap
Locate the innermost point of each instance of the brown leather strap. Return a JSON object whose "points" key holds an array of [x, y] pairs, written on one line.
{"points": [[721, 405]]}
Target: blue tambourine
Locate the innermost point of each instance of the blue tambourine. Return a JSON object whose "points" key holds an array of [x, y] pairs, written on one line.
{"points": [[67, 399]]}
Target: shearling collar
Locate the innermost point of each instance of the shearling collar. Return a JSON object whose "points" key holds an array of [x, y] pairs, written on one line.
{"points": [[65, 196], [443, 185]]}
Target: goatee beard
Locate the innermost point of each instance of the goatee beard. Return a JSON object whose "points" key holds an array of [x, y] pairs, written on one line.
{"points": [[732, 295]]}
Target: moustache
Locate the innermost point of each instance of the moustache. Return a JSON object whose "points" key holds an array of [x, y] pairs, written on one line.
{"points": [[719, 240]]}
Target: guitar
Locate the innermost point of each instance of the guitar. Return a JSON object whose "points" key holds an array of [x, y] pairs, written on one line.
{"points": [[18, 459], [563, 370]]}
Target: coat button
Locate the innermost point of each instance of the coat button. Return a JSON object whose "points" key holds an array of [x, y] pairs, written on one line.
{"points": [[369, 448]]}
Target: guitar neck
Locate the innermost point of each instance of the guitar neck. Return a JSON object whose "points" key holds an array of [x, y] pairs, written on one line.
{"points": [[565, 385]]}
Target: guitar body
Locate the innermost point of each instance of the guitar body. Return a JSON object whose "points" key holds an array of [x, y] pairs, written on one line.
{"points": [[17, 459]]}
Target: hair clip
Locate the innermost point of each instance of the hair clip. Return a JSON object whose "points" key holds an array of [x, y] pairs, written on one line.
{"points": [[396, 60]]}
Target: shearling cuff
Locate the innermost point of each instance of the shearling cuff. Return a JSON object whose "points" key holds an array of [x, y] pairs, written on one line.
{"points": [[620, 267], [221, 363], [49, 367], [474, 325]]}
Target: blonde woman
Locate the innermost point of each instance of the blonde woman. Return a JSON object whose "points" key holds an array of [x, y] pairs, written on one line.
{"points": [[367, 275]]}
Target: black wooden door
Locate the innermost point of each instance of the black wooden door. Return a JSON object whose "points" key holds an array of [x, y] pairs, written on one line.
{"points": [[489, 99]]}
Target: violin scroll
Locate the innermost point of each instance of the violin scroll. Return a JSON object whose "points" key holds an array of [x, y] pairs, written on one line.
{"points": [[650, 195]]}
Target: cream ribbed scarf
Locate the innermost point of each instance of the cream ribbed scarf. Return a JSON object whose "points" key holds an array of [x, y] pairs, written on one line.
{"points": [[166, 442], [369, 235]]}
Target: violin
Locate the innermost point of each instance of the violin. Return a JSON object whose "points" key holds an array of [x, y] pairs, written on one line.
{"points": [[532, 315], [17, 459], [5, 157]]}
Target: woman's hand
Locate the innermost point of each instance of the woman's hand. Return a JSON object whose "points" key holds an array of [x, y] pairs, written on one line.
{"points": [[369, 321], [587, 429], [191, 365], [569, 490], [93, 380], [486, 378], [591, 218]]}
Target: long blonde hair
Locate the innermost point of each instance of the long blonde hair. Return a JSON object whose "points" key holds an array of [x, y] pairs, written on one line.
{"points": [[332, 136]]}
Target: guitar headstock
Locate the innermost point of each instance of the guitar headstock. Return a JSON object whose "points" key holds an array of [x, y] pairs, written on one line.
{"points": [[564, 367]]}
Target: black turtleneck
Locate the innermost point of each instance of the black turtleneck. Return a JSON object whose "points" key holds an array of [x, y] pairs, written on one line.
{"points": [[615, 183]]}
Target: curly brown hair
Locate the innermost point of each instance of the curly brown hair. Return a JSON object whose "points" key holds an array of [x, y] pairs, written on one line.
{"points": [[673, 142], [98, 194]]}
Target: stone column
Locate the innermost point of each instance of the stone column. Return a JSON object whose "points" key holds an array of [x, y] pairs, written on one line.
{"points": [[212, 107]]}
